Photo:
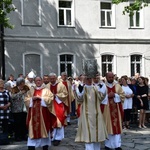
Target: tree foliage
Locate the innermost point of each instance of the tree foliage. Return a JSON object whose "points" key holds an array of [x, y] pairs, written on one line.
{"points": [[136, 5], [6, 7]]}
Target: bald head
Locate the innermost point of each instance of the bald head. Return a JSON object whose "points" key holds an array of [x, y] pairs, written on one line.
{"points": [[110, 77]]}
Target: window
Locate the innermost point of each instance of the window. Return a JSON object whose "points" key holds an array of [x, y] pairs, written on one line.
{"points": [[65, 13], [66, 64], [32, 61], [136, 21], [107, 14], [136, 64], [107, 64], [31, 12]]}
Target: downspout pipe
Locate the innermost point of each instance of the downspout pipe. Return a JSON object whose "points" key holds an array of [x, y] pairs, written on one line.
{"points": [[2, 51]]}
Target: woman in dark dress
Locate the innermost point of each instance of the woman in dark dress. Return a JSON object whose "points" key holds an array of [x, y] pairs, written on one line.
{"points": [[142, 103], [4, 107]]}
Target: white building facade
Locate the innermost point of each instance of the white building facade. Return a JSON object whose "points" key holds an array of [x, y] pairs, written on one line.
{"points": [[59, 35]]}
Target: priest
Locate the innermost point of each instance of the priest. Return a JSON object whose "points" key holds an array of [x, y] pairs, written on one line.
{"points": [[59, 108], [92, 129], [38, 101]]}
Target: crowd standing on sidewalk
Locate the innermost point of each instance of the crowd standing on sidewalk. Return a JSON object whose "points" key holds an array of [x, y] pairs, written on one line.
{"points": [[38, 109]]}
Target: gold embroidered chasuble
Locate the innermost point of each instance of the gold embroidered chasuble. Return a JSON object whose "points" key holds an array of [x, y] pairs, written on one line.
{"points": [[62, 94], [114, 126], [70, 93], [91, 124], [48, 97]]}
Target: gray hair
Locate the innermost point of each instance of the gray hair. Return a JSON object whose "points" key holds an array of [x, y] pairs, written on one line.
{"points": [[19, 81], [52, 74], [63, 73], [7, 85]]}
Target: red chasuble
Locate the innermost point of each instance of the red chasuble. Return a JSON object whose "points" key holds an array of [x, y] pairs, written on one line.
{"points": [[59, 109], [39, 117], [114, 110], [78, 110]]}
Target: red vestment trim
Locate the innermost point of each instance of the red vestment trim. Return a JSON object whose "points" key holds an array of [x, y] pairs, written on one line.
{"points": [[78, 110], [114, 109], [102, 107], [59, 109], [37, 111], [36, 121], [114, 112]]}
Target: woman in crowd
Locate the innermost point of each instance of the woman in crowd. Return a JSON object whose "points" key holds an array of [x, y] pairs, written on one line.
{"points": [[133, 87], [127, 105], [147, 114], [17, 107], [142, 103], [4, 107]]}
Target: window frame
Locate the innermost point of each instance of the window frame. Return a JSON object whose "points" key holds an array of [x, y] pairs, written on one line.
{"points": [[141, 22], [40, 15], [73, 63], [72, 14], [33, 53], [113, 61], [113, 10], [136, 62]]}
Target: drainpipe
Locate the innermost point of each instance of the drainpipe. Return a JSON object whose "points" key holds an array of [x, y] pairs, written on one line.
{"points": [[2, 51]]}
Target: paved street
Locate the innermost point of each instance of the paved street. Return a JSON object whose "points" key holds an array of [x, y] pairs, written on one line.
{"points": [[133, 139]]}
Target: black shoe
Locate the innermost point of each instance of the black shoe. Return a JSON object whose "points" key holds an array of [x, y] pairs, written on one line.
{"points": [[119, 148], [56, 142], [31, 147], [68, 123], [45, 147], [107, 148]]}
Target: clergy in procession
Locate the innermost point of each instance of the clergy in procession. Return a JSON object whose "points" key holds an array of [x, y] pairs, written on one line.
{"points": [[29, 80], [70, 98], [112, 110], [78, 89], [92, 129], [59, 108], [38, 101], [100, 85]]}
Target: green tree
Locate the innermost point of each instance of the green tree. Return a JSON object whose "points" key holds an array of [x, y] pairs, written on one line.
{"points": [[136, 5], [6, 8]]}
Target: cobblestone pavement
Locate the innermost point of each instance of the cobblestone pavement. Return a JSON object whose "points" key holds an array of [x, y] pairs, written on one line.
{"points": [[133, 139]]}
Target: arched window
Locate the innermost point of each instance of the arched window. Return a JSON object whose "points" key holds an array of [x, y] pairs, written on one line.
{"points": [[136, 64], [66, 64], [107, 63], [32, 61]]}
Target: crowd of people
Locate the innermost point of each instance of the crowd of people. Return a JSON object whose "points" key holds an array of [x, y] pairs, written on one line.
{"points": [[38, 109]]}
